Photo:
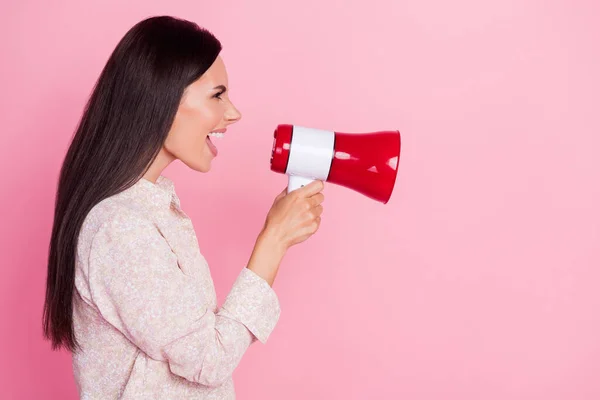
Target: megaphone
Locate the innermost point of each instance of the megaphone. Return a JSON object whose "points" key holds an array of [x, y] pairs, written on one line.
{"points": [[364, 162]]}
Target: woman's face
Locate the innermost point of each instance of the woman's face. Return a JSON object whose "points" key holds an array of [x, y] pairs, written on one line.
{"points": [[205, 107]]}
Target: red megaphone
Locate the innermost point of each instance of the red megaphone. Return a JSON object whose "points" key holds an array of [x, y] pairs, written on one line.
{"points": [[364, 162]]}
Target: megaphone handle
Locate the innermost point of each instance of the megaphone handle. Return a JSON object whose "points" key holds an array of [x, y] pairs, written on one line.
{"points": [[296, 182]]}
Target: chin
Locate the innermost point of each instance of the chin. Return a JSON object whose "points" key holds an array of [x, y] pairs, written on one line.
{"points": [[200, 166]]}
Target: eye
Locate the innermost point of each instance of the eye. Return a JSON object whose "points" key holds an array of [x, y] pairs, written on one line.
{"points": [[218, 95]]}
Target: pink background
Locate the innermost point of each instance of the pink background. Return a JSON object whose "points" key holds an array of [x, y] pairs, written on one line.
{"points": [[478, 280]]}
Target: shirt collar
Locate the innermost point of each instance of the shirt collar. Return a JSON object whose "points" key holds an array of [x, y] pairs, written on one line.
{"points": [[159, 195]]}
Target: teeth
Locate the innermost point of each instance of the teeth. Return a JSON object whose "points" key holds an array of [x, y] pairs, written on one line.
{"points": [[216, 134]]}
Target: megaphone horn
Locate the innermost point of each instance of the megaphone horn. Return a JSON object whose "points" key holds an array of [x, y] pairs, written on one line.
{"points": [[364, 162]]}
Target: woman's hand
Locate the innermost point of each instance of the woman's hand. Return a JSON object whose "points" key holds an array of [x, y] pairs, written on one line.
{"points": [[292, 219], [296, 216]]}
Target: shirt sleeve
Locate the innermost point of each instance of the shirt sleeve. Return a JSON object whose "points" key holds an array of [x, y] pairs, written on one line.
{"points": [[137, 285]]}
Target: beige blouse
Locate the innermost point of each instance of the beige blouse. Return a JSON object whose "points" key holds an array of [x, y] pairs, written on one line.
{"points": [[145, 308]]}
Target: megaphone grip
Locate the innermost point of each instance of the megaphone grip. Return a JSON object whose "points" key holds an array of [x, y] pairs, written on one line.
{"points": [[297, 181]]}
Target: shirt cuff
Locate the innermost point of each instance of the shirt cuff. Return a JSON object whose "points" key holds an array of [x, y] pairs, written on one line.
{"points": [[254, 303]]}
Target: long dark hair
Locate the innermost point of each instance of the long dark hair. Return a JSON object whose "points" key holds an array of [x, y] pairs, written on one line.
{"points": [[122, 129]]}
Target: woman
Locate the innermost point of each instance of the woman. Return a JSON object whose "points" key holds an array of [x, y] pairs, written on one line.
{"points": [[128, 291]]}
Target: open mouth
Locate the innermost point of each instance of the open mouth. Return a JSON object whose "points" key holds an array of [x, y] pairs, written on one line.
{"points": [[210, 143]]}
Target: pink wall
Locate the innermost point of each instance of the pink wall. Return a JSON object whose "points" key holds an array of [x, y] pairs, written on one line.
{"points": [[478, 280]]}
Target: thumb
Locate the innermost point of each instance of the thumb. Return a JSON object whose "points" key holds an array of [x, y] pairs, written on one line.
{"points": [[282, 194]]}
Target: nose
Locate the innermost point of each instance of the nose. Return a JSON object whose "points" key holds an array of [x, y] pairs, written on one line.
{"points": [[233, 114]]}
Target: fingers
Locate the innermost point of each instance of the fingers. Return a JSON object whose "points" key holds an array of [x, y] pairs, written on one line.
{"points": [[311, 189], [317, 199], [317, 211], [315, 226]]}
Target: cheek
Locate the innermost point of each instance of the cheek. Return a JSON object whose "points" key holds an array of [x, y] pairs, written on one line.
{"points": [[200, 119], [188, 133], [210, 116], [185, 134]]}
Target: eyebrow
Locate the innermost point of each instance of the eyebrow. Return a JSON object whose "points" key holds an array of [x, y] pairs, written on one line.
{"points": [[221, 87]]}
